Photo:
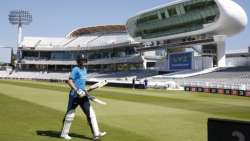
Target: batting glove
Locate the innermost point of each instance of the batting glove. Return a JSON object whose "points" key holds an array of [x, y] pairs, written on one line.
{"points": [[81, 93]]}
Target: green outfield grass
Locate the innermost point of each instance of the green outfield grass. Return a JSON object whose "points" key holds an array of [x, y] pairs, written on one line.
{"points": [[33, 111]]}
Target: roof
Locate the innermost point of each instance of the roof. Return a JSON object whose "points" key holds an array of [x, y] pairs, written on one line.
{"points": [[94, 41], [43, 41], [97, 29]]}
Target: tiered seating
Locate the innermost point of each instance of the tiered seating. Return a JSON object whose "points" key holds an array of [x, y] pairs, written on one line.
{"points": [[3, 74], [234, 72], [233, 78], [186, 73], [126, 75], [35, 75], [227, 77]]}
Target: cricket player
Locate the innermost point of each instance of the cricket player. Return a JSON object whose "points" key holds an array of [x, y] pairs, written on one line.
{"points": [[79, 96]]}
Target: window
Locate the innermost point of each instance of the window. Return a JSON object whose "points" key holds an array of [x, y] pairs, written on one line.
{"points": [[151, 64], [45, 55], [172, 12], [147, 18], [105, 55], [186, 17], [30, 54], [198, 5], [163, 16], [210, 19]]}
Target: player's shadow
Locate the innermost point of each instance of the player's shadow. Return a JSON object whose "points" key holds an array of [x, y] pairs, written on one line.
{"points": [[56, 134]]}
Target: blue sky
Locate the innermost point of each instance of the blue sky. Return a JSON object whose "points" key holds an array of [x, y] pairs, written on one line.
{"points": [[56, 18]]}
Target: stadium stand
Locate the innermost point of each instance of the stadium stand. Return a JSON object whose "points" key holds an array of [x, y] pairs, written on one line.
{"points": [[187, 73], [64, 76], [30, 75], [228, 77], [3, 74], [230, 80], [139, 74], [108, 48]]}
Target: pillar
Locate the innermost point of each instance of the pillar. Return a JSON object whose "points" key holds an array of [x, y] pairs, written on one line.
{"points": [[221, 50]]}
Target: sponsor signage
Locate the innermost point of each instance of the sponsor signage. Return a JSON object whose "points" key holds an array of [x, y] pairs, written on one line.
{"points": [[180, 61]]}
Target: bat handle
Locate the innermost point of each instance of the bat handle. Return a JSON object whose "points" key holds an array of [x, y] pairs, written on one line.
{"points": [[90, 89]]}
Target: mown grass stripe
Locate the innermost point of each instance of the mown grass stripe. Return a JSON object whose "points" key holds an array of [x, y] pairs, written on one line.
{"points": [[23, 120], [35, 85], [185, 104], [192, 105]]}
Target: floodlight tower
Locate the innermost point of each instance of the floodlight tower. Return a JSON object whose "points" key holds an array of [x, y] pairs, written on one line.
{"points": [[20, 18]]}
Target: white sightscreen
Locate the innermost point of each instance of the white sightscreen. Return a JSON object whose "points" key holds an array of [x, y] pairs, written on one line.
{"points": [[5, 55]]}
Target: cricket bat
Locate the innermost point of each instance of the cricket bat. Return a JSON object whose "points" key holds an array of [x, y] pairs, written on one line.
{"points": [[96, 86], [99, 101]]}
